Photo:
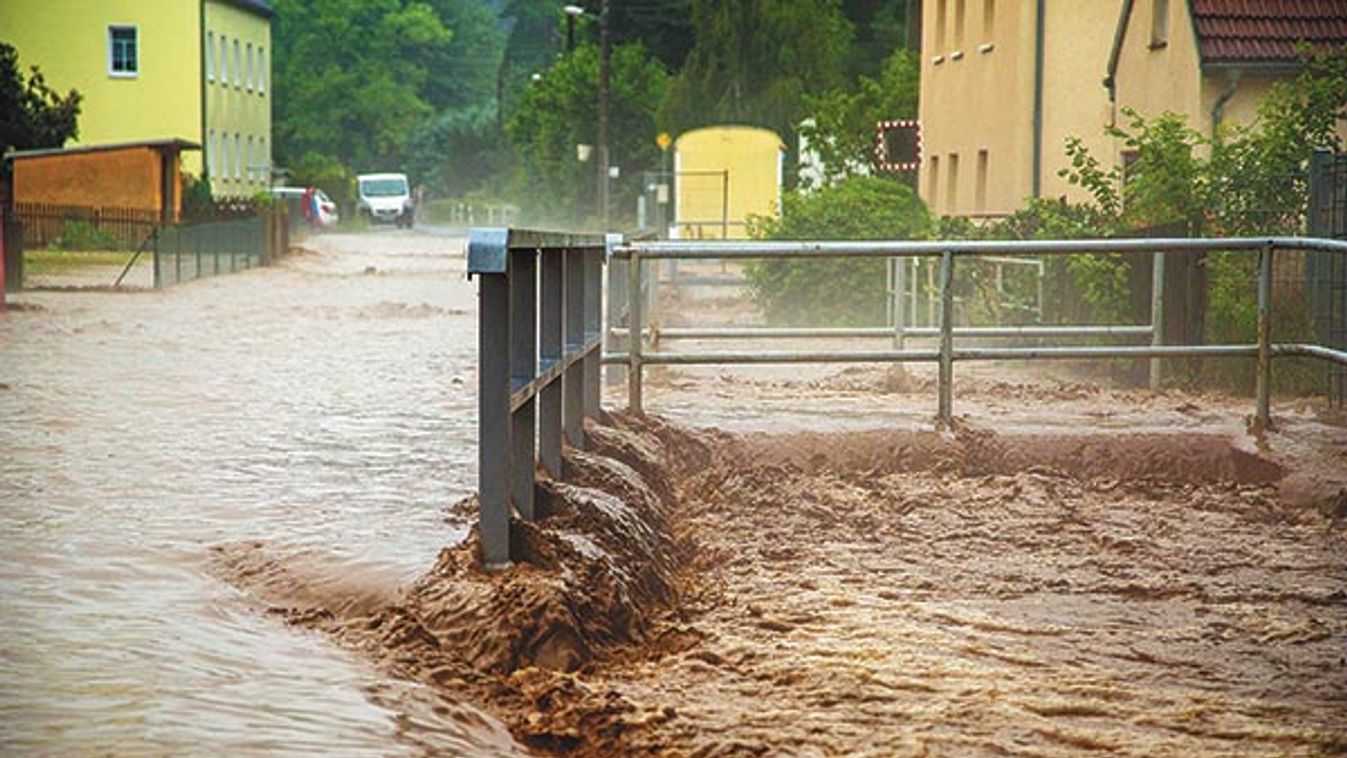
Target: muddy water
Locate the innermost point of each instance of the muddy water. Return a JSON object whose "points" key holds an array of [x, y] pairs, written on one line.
{"points": [[326, 406]]}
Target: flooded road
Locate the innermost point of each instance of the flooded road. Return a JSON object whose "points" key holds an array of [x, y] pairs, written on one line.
{"points": [[325, 406]]}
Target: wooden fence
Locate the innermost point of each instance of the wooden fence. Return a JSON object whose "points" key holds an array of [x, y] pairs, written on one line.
{"points": [[75, 227]]}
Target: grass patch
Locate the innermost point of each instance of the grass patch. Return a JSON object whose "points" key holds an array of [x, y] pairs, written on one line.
{"points": [[64, 260]]}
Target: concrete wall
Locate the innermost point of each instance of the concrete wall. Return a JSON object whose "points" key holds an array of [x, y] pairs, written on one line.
{"points": [[68, 40], [752, 156], [237, 141]]}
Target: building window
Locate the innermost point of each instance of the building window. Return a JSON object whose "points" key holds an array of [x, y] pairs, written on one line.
{"points": [[959, 16], [252, 159], [238, 64], [1159, 23], [123, 55], [224, 61], [212, 160], [952, 189], [939, 26], [933, 184], [210, 56], [988, 20], [980, 200], [250, 66], [238, 156], [261, 69]]}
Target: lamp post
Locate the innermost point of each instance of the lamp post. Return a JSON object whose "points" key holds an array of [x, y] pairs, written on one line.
{"points": [[605, 53], [572, 13]]}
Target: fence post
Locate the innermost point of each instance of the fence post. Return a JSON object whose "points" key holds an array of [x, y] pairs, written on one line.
{"points": [[635, 329], [551, 316], [493, 421], [573, 382], [898, 282], [944, 413], [523, 347], [592, 370], [1263, 419], [1157, 315]]}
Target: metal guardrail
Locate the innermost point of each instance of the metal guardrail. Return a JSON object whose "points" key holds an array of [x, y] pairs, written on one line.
{"points": [[539, 348], [636, 358]]}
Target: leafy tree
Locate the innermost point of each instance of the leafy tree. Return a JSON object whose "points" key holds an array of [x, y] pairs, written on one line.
{"points": [[349, 77], [462, 74], [32, 114], [755, 60], [560, 110], [461, 150], [856, 208], [841, 126]]}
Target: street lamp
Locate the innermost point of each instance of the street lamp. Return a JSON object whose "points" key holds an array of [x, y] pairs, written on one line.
{"points": [[572, 13]]}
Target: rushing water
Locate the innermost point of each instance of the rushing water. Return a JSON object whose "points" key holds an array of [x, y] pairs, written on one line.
{"points": [[326, 404]]}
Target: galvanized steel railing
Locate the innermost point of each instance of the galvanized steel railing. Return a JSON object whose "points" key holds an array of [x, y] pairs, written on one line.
{"points": [[538, 374], [945, 354]]}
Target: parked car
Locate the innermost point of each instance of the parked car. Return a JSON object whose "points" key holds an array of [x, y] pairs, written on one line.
{"points": [[385, 198], [309, 203]]}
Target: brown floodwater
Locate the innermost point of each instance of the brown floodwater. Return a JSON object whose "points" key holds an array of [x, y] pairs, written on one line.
{"points": [[325, 405]]}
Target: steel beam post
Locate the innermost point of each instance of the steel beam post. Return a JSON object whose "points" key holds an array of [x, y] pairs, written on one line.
{"points": [[551, 318], [573, 381], [899, 268], [944, 413], [635, 339], [493, 421], [1263, 417], [523, 280], [1157, 314], [593, 271]]}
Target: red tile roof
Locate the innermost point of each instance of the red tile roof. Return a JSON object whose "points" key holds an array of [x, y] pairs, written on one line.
{"points": [[1266, 31]]}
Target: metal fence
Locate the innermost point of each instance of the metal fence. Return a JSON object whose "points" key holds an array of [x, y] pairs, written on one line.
{"points": [[184, 252], [946, 354], [539, 357], [1326, 274]]}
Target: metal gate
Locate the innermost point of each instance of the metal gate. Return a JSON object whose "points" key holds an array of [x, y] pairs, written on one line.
{"points": [[1325, 273]]}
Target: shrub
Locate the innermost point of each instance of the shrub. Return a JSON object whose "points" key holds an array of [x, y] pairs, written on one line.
{"points": [[835, 291]]}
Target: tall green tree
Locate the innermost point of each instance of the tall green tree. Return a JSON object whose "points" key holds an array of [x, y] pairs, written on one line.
{"points": [[560, 110], [755, 60], [349, 77], [841, 125], [32, 114]]}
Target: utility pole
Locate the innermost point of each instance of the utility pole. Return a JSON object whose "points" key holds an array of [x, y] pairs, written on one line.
{"points": [[605, 53]]}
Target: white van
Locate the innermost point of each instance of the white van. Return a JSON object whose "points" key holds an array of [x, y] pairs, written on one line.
{"points": [[385, 198]]}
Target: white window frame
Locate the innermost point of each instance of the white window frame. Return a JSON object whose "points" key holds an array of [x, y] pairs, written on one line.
{"points": [[238, 157], [249, 67], [210, 56], [135, 30], [251, 159], [212, 155], [238, 64], [261, 70]]}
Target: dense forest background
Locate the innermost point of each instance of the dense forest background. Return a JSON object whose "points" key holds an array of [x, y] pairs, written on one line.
{"points": [[487, 99]]}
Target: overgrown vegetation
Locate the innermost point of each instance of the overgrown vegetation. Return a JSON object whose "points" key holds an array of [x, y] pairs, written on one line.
{"points": [[32, 114]]}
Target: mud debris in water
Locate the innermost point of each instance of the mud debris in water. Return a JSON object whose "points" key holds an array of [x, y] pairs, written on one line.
{"points": [[692, 592]]}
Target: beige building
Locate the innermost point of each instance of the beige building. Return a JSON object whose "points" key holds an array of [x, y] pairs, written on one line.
{"points": [[1006, 82], [1213, 59]]}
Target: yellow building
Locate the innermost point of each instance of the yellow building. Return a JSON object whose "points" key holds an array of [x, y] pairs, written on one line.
{"points": [[722, 176], [1003, 84], [193, 70], [1213, 60]]}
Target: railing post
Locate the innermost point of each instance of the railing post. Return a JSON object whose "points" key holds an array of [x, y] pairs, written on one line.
{"points": [[898, 282], [944, 414], [1263, 418], [523, 349], [493, 421], [1157, 315], [617, 300], [635, 337], [551, 318], [592, 369], [573, 382]]}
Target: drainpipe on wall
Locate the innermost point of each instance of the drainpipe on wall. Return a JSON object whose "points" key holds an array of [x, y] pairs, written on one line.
{"points": [[1218, 109], [1038, 101]]}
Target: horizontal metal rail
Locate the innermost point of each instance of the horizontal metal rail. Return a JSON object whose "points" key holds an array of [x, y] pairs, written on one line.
{"points": [[694, 249], [946, 354], [539, 352], [862, 332]]}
